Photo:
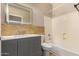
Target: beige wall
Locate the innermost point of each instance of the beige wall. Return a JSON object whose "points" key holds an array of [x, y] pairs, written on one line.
{"points": [[0, 20], [38, 16], [68, 24]]}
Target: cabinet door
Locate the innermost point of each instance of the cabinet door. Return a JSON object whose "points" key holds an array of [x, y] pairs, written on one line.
{"points": [[29, 46], [35, 46], [23, 47], [9, 47]]}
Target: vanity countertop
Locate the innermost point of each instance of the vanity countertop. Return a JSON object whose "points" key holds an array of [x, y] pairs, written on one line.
{"points": [[19, 36]]}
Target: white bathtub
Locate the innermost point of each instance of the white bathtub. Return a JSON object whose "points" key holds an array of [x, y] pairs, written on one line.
{"points": [[57, 50]]}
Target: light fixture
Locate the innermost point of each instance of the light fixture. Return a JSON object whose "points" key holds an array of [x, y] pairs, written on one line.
{"points": [[77, 6]]}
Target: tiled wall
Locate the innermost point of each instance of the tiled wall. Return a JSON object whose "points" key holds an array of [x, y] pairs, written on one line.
{"points": [[9, 29]]}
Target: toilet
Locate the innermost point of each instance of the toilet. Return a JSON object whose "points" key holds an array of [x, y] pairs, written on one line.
{"points": [[46, 48], [49, 49]]}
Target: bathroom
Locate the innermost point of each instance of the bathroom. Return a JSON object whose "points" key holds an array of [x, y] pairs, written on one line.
{"points": [[39, 29]]}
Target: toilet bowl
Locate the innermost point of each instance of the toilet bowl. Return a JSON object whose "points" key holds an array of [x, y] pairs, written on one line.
{"points": [[46, 48], [50, 48]]}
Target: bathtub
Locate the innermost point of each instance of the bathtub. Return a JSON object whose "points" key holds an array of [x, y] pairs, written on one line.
{"points": [[57, 50]]}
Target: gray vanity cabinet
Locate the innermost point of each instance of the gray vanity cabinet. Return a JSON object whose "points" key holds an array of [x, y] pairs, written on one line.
{"points": [[22, 47], [29, 46], [9, 47]]}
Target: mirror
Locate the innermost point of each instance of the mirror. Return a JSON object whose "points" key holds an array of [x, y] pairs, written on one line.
{"points": [[18, 14]]}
